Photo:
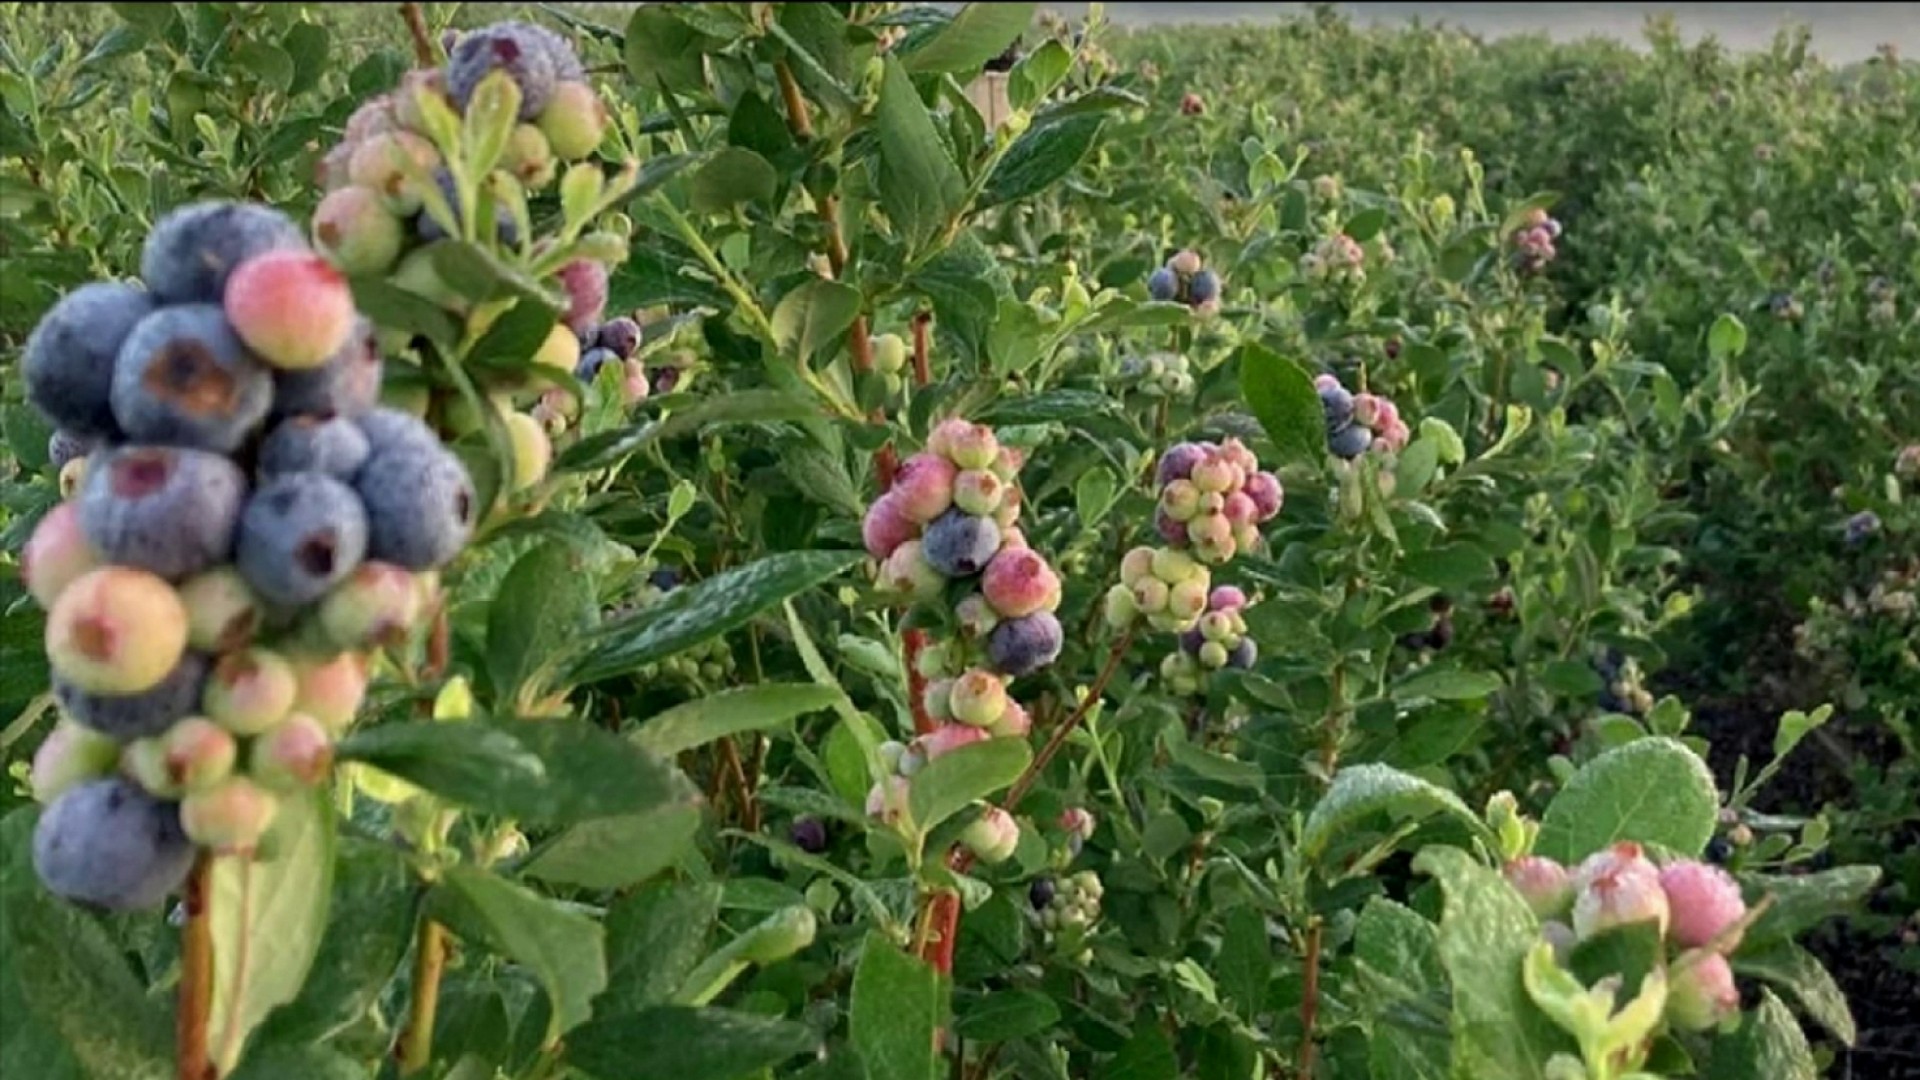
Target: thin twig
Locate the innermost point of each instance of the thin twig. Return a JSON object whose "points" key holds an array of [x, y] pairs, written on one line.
{"points": [[922, 366], [423, 51], [797, 118], [195, 1007], [1059, 737], [1310, 1001], [429, 962]]}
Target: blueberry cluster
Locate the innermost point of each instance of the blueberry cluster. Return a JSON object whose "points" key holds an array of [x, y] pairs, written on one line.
{"points": [[1358, 421], [388, 187], [613, 345], [1069, 906], [1213, 499], [1185, 278], [1159, 375], [1218, 640], [1533, 241], [1697, 907], [1166, 586], [247, 527], [1336, 258], [1624, 691]]}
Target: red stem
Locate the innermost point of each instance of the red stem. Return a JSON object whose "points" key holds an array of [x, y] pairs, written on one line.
{"points": [[195, 1007]]}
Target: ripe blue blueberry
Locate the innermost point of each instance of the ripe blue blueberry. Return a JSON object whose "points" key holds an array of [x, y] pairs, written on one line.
{"points": [[959, 544], [1861, 526], [1205, 286], [191, 251], [124, 717], [622, 335], [109, 845], [1350, 441], [1191, 640], [184, 378], [1243, 654], [666, 579], [504, 228], [300, 535], [1041, 893], [1025, 645], [1337, 403], [165, 509], [419, 500], [1162, 284], [334, 445], [348, 384], [566, 62], [70, 355], [591, 363], [809, 835], [388, 429], [64, 446], [524, 52]]}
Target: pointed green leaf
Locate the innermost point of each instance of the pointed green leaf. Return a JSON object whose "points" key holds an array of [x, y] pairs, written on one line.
{"points": [[732, 176], [920, 186], [544, 603], [813, 316], [1041, 157], [563, 949], [683, 1043], [1769, 1044], [369, 926], [1798, 972], [1281, 396], [895, 1010], [976, 35], [730, 712], [954, 780], [1653, 790], [617, 852], [1360, 791]]}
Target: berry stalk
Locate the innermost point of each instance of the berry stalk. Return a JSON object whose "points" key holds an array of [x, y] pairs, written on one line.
{"points": [[429, 962], [195, 1007]]}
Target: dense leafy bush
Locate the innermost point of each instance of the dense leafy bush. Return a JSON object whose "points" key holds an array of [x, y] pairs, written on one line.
{"points": [[996, 546]]}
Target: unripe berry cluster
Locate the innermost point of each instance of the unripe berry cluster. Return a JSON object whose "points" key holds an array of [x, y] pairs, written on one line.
{"points": [[1068, 907], [1358, 421], [386, 174], [1336, 258], [1697, 908], [1168, 587], [1159, 375], [1213, 499], [1533, 241], [1625, 690], [1218, 640], [890, 360], [250, 528], [1184, 278]]}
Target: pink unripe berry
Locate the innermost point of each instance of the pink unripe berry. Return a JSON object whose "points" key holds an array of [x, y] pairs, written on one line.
{"points": [[57, 554], [229, 818], [331, 692], [222, 612], [979, 697], [1215, 474], [116, 630], [385, 163], [585, 283], [1180, 500], [1006, 464], [1014, 723], [992, 836], [1543, 883], [946, 738], [1238, 454], [634, 384], [1240, 509], [292, 308], [1326, 381], [1226, 598], [1704, 900], [249, 692], [1366, 409], [1617, 886], [1264, 489], [976, 616], [941, 440], [924, 487], [1701, 992], [378, 604], [1386, 415], [1171, 530], [1019, 582], [353, 226], [70, 755], [1394, 437], [1077, 822], [1011, 536], [1008, 512], [1186, 263], [907, 574], [886, 526], [974, 448], [888, 799], [978, 492], [295, 754]]}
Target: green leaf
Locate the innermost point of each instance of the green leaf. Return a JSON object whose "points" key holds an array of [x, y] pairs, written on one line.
{"points": [[1804, 901], [1628, 951], [563, 949], [813, 316], [306, 1062], [1797, 725], [655, 938], [1281, 396], [369, 927], [733, 175], [1366, 224], [662, 49], [1360, 791], [1005, 1015], [920, 186], [1415, 467], [685, 1043], [1571, 678], [544, 603], [730, 712], [267, 919], [268, 63], [1485, 933], [1445, 683], [1398, 955], [1800, 973], [1449, 567], [513, 339], [1050, 407], [150, 19], [1146, 1055], [1037, 74], [550, 771], [617, 852], [393, 308], [1218, 768], [1246, 961], [696, 613], [1727, 338], [306, 45], [976, 35], [74, 978], [474, 273], [1653, 790], [951, 782], [1040, 157], [756, 406], [1769, 1043], [895, 1008]]}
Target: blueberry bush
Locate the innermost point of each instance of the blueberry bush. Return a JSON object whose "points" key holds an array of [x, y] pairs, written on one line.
{"points": [[847, 541]]}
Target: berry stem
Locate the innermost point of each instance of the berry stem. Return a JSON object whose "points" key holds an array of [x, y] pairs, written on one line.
{"points": [[429, 962], [1310, 1001], [915, 642], [195, 1007], [797, 116], [417, 30], [922, 369]]}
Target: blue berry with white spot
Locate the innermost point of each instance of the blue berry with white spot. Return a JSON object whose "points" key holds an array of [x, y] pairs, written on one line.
{"points": [[64, 446], [168, 510], [184, 378], [108, 845], [347, 384], [70, 356], [1163, 284], [525, 52], [190, 252], [333, 445], [1205, 286], [959, 545], [124, 717], [420, 503], [300, 535], [1350, 441], [1023, 646]]}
